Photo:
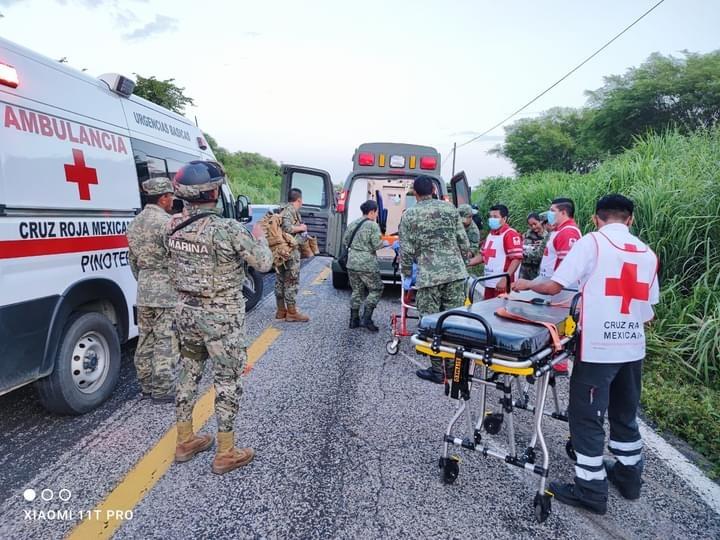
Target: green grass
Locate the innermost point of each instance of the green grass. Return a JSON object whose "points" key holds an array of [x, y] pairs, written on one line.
{"points": [[675, 183]]}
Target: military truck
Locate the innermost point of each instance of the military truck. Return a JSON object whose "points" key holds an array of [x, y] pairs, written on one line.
{"points": [[383, 172]]}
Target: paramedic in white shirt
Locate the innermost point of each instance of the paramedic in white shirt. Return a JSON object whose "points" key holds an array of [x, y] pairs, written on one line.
{"points": [[617, 273]]}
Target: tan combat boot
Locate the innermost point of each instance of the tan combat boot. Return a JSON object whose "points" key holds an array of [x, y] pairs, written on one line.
{"points": [[293, 315], [281, 311], [228, 457], [188, 443]]}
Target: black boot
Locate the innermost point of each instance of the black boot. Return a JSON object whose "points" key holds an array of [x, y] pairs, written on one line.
{"points": [[627, 479], [354, 318], [570, 494], [367, 321]]}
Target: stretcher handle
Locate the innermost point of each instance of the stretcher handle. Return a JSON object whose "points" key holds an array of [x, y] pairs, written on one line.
{"points": [[437, 334], [477, 280], [574, 306]]}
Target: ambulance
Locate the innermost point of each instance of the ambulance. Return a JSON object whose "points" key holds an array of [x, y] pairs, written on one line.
{"points": [[383, 172], [73, 152]]}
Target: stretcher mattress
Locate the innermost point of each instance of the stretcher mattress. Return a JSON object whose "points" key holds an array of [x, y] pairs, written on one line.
{"points": [[510, 338]]}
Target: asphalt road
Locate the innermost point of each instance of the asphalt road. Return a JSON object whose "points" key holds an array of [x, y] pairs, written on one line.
{"points": [[347, 442]]}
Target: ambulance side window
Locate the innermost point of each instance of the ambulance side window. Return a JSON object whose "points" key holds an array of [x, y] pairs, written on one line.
{"points": [[149, 167]]}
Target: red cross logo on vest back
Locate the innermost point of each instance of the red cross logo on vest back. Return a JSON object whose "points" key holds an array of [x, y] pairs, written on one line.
{"points": [[81, 174], [627, 287], [488, 251]]}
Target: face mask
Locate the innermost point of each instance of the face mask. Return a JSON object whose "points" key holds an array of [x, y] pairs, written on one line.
{"points": [[494, 223], [551, 218]]}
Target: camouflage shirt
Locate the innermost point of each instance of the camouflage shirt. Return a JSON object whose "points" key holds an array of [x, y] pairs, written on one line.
{"points": [[208, 260], [149, 258], [473, 234], [433, 235], [361, 256]]}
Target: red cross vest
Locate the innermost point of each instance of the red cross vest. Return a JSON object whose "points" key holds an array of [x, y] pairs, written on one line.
{"points": [[550, 256], [494, 257], [616, 296]]}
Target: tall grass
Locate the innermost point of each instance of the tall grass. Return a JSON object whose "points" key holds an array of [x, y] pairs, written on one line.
{"points": [[675, 183]]}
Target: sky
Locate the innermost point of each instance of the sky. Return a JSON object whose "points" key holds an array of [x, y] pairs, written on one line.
{"points": [[307, 82]]}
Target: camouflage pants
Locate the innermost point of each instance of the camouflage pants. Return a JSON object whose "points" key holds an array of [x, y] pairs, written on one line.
{"points": [[367, 286], [287, 280], [440, 298], [220, 336], [156, 354]]}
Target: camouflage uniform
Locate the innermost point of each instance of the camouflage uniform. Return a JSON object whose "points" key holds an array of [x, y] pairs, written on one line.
{"points": [[433, 235], [473, 234], [362, 265], [287, 276], [157, 347], [533, 248], [208, 261]]}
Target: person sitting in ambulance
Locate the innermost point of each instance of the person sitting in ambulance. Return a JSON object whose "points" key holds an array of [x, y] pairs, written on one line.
{"points": [[565, 232], [619, 284], [502, 252]]}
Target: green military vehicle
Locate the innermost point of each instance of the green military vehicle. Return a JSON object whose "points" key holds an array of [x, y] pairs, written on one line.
{"points": [[383, 172]]}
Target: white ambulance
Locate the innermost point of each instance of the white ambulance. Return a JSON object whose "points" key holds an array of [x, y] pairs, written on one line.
{"points": [[73, 150]]}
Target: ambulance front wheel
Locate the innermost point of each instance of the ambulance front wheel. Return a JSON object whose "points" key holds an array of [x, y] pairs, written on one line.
{"points": [[252, 288], [86, 367], [340, 280]]}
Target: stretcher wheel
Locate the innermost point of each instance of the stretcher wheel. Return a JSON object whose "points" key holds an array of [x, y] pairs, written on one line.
{"points": [[450, 469], [392, 347], [542, 505], [570, 450], [493, 423]]}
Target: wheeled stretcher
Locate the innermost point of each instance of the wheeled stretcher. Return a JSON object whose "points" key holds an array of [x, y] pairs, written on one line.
{"points": [[496, 344]]}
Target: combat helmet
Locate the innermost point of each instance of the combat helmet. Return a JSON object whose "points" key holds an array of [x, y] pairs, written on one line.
{"points": [[196, 181]]}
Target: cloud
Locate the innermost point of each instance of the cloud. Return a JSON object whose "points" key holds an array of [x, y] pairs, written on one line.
{"points": [[8, 3], [251, 34], [160, 25], [124, 18]]}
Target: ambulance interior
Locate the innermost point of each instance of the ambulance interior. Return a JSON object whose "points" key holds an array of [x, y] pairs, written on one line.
{"points": [[393, 196]]}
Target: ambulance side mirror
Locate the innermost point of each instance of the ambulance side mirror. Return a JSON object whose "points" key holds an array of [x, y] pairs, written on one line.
{"points": [[242, 209]]}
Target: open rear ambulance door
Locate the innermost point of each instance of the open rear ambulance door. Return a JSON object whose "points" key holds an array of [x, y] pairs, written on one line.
{"points": [[460, 189], [318, 199]]}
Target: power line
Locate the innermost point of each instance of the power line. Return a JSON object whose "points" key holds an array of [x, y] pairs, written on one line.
{"points": [[581, 64]]}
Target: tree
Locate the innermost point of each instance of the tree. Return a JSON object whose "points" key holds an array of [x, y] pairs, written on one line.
{"points": [[664, 92], [557, 140], [164, 93]]}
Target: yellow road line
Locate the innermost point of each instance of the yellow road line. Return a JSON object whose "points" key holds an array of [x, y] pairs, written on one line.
{"points": [[109, 515], [322, 276]]}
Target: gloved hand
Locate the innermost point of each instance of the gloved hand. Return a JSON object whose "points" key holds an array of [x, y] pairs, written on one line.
{"points": [[407, 283]]}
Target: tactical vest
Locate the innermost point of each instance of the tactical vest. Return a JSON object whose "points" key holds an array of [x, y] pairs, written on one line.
{"points": [[195, 267], [617, 297]]}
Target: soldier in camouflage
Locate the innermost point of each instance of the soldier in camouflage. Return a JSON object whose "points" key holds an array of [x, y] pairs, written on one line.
{"points": [[473, 233], [533, 247], [362, 265], [156, 353], [208, 258], [432, 235], [287, 276]]}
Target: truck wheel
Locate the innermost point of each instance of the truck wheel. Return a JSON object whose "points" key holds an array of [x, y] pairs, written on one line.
{"points": [[86, 368], [252, 288], [340, 280]]}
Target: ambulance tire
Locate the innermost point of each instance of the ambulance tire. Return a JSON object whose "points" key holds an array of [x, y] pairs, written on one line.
{"points": [[252, 288], [60, 392], [340, 280]]}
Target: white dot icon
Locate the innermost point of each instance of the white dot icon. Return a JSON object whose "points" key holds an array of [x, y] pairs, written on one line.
{"points": [[29, 495]]}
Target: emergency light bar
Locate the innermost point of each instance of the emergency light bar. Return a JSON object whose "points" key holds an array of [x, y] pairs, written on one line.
{"points": [[428, 163], [118, 83], [397, 161], [8, 76], [366, 159]]}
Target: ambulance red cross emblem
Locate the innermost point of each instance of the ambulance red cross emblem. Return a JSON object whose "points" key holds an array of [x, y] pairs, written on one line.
{"points": [[81, 174], [627, 287], [489, 252]]}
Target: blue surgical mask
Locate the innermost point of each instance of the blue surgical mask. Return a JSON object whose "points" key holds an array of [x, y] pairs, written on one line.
{"points": [[494, 223], [551, 217]]}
